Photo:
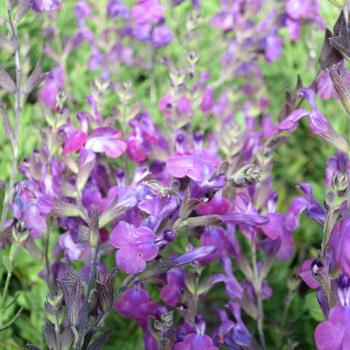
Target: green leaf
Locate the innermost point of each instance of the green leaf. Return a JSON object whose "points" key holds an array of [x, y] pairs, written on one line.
{"points": [[313, 307]]}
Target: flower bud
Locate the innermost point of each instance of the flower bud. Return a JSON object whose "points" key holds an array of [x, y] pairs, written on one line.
{"points": [[340, 183], [338, 3], [177, 77], [101, 85], [19, 234], [55, 300], [61, 98], [104, 289], [169, 235], [342, 86], [50, 336], [247, 175], [125, 92]]}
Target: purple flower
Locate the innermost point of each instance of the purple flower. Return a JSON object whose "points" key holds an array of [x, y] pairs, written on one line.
{"points": [[198, 167], [29, 208], [217, 237], [273, 48], [158, 208], [325, 88], [136, 304], [51, 87], [161, 36], [183, 106], [306, 275], [142, 31], [117, 8], [33, 219], [147, 11], [207, 102], [72, 250], [171, 292], [340, 243], [318, 124], [145, 139], [74, 139], [106, 140], [236, 335], [45, 5], [334, 333], [135, 246], [196, 342]]}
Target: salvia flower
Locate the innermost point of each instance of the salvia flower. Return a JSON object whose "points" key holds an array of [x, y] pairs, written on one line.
{"points": [[135, 246]]}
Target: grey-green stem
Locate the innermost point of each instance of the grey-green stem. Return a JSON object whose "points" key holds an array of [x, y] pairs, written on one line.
{"points": [[18, 110]]}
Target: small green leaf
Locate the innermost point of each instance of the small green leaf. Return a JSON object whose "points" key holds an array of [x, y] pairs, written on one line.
{"points": [[313, 307]]}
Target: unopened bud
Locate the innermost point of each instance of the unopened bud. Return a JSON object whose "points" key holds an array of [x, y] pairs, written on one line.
{"points": [[247, 175], [338, 3], [177, 77], [340, 182], [330, 199], [192, 58], [101, 85], [61, 98], [55, 300], [19, 233], [125, 92], [169, 235], [342, 86]]}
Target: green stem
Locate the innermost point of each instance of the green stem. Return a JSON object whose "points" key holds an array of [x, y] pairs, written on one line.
{"points": [[18, 110], [258, 291]]}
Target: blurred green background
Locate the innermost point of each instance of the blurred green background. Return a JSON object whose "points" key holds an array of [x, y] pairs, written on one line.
{"points": [[301, 159]]}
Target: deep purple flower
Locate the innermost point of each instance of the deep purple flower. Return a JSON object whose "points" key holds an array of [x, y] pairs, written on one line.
{"points": [[340, 243], [106, 140], [217, 236], [236, 334], [306, 275], [135, 246], [196, 342], [136, 304], [171, 292], [158, 208], [334, 333], [314, 210], [318, 124]]}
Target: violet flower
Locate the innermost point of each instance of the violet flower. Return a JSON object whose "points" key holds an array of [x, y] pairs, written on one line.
{"points": [[136, 304], [135, 246], [334, 333], [45, 5], [106, 140]]}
